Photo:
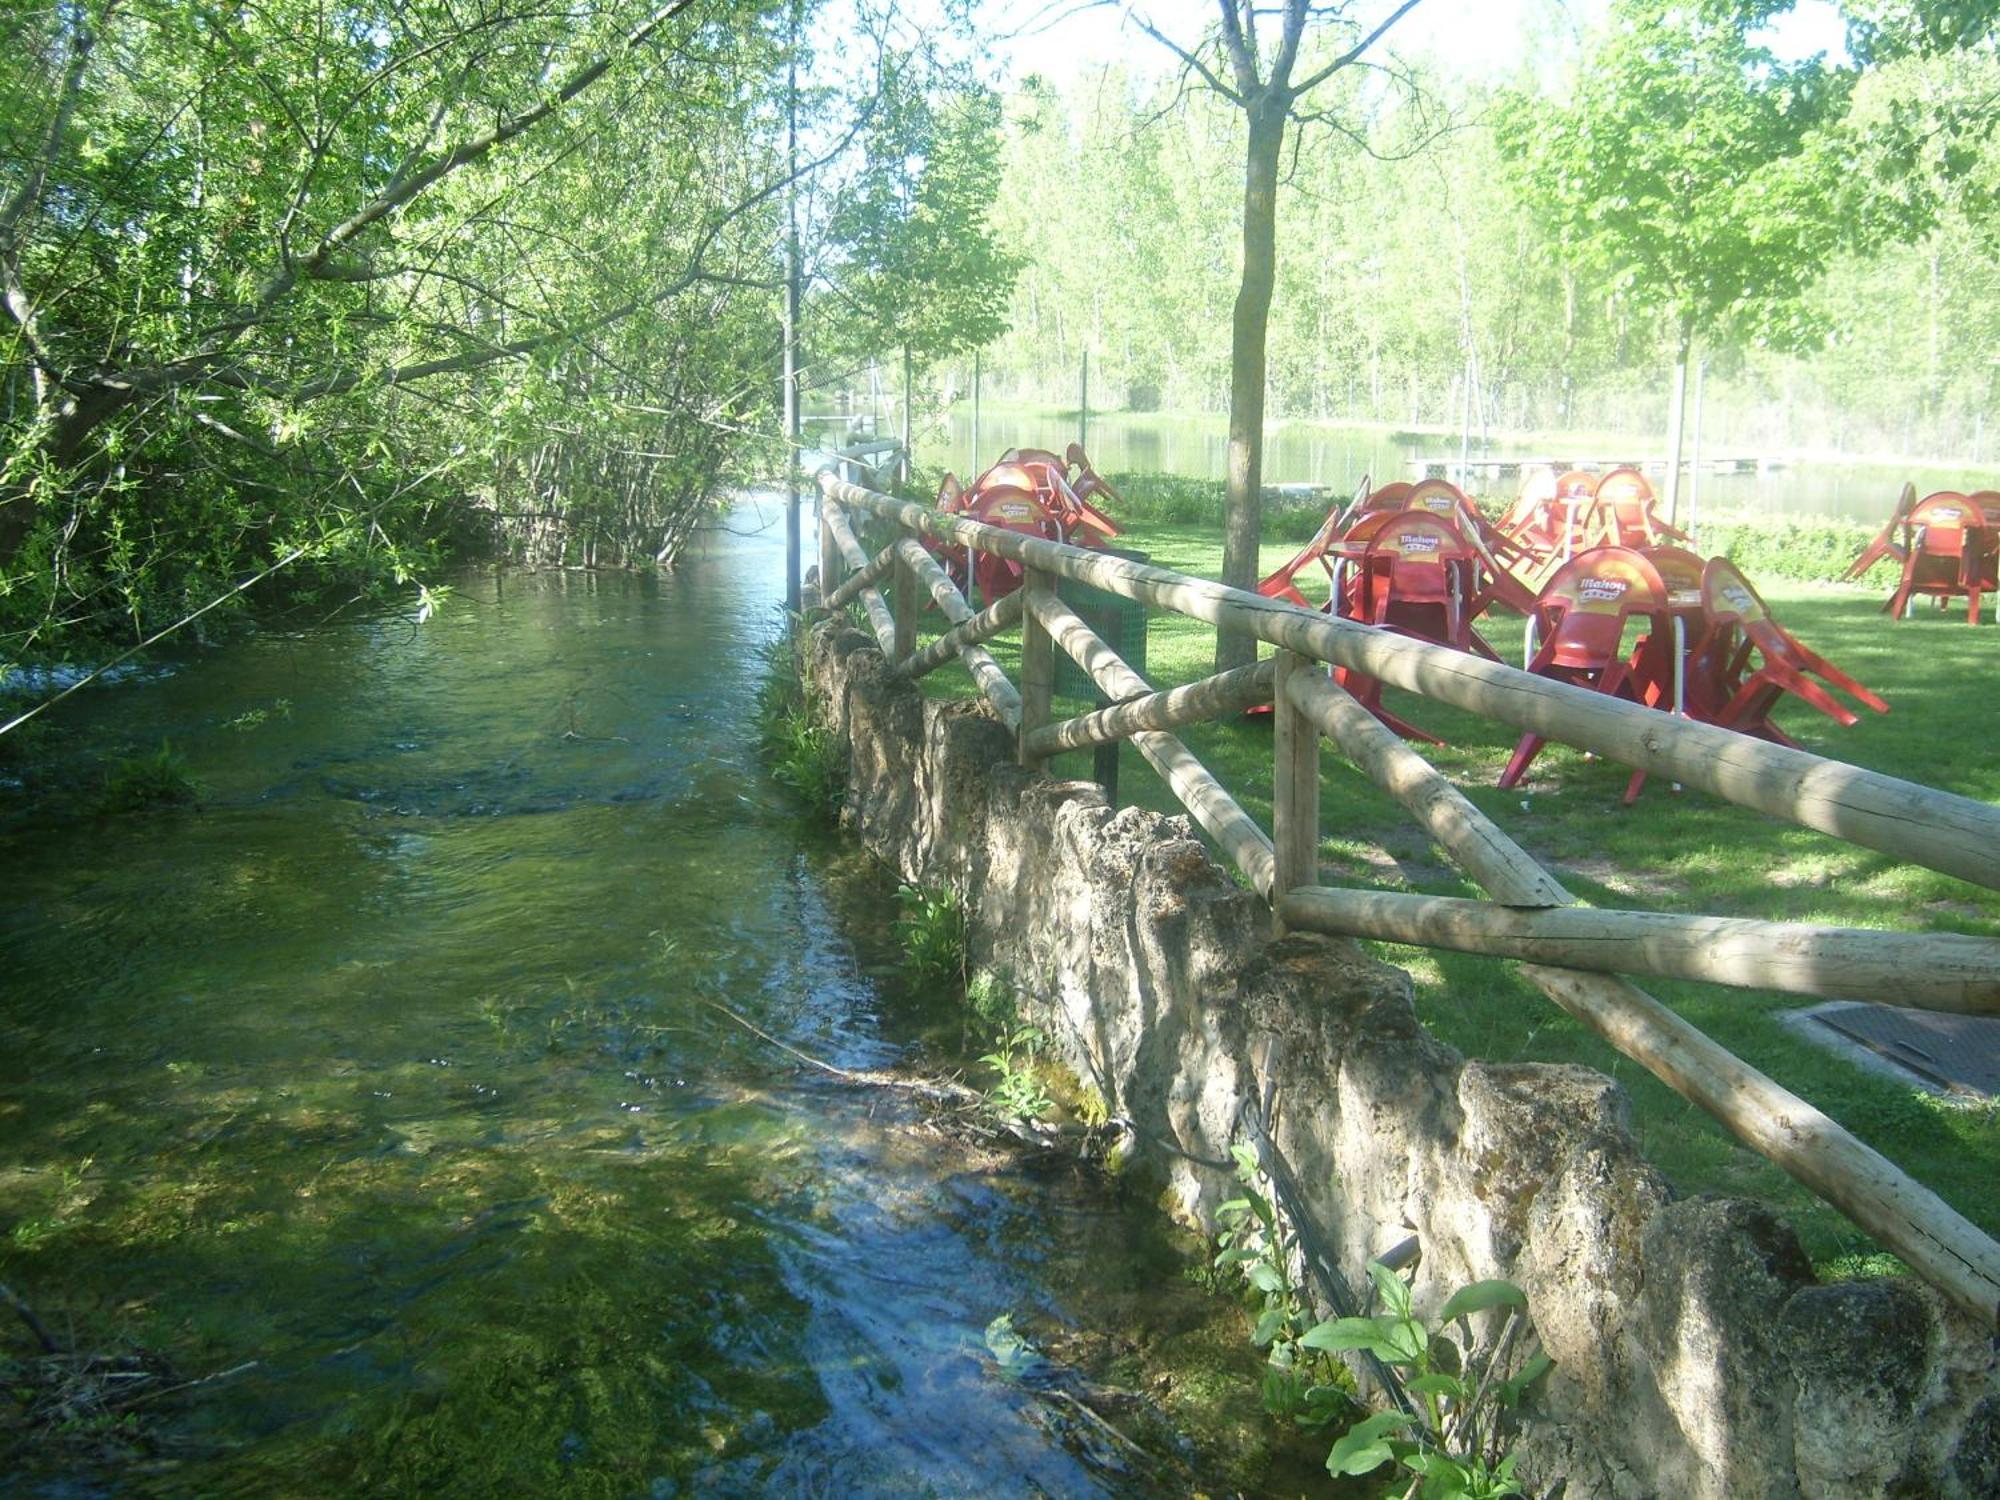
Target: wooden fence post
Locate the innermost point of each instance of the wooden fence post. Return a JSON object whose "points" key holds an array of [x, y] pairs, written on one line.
{"points": [[830, 569], [1038, 667], [1294, 782], [908, 596]]}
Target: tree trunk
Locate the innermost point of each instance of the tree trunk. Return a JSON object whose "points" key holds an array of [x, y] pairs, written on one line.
{"points": [[1243, 517]]}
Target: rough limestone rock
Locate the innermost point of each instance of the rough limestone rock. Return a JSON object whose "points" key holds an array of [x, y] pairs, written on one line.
{"points": [[1696, 1356]]}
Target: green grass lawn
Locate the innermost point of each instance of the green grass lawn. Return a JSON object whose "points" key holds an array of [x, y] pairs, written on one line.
{"points": [[1673, 851]]}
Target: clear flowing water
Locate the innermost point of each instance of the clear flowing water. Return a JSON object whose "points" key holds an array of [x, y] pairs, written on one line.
{"points": [[1337, 457], [389, 1069]]}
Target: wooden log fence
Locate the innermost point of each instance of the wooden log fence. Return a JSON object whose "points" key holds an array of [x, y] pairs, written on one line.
{"points": [[1574, 955]]}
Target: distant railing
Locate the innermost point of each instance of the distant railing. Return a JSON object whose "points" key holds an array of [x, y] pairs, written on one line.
{"points": [[1571, 954]]}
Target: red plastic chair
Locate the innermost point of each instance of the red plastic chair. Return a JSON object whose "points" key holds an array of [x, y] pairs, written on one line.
{"points": [[1885, 543], [1416, 576], [1662, 662], [1622, 513], [1282, 583], [1583, 613], [1950, 552], [1739, 623], [1012, 508]]}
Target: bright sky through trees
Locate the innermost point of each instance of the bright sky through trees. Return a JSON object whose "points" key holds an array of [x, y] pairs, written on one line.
{"points": [[1482, 39]]}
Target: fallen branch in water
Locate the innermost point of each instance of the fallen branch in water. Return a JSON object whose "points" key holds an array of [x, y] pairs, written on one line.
{"points": [[943, 1092]]}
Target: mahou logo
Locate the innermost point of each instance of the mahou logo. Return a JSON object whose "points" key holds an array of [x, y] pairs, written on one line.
{"points": [[1419, 543], [1603, 590]]}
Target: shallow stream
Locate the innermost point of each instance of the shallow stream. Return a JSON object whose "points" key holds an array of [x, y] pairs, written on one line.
{"points": [[382, 1088]]}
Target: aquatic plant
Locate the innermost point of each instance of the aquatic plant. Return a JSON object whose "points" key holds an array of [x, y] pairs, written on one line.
{"points": [[142, 782]]}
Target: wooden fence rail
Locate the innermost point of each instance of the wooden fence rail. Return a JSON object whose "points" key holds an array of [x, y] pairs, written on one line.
{"points": [[1567, 952]]}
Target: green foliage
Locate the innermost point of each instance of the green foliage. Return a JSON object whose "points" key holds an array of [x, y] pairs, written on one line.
{"points": [[1019, 1092], [276, 300], [803, 754], [1805, 549], [922, 268], [1464, 1388], [142, 783], [994, 1002], [1180, 500], [930, 926], [1301, 1383], [1681, 162]]}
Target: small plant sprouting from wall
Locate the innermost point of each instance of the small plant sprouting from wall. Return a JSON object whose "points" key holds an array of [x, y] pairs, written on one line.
{"points": [[1302, 1384], [1454, 1445], [1457, 1442], [1020, 1092], [802, 753], [931, 929]]}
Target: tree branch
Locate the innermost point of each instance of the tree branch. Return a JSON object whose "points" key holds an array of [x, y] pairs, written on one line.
{"points": [[1189, 58], [1354, 52]]}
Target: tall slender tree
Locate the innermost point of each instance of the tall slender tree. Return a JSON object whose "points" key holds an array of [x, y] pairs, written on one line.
{"points": [[1263, 75]]}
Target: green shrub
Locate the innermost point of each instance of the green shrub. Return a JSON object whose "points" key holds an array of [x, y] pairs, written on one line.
{"points": [[1179, 500], [1804, 549], [931, 929]]}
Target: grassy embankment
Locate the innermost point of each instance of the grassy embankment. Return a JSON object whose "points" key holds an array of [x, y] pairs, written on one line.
{"points": [[1672, 851]]}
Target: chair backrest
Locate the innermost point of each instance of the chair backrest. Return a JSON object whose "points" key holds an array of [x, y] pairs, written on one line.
{"points": [[1032, 456], [1681, 571], [1941, 520], [1367, 524], [1585, 605], [1727, 597], [1391, 496], [1008, 474], [1576, 484], [1013, 508], [1989, 502], [1624, 483], [951, 494], [1438, 496], [1416, 540]]}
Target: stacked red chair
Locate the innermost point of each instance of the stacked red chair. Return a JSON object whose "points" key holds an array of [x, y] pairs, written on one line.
{"points": [[1887, 541], [1740, 624], [1949, 554], [1623, 513], [1030, 491], [1583, 616]]}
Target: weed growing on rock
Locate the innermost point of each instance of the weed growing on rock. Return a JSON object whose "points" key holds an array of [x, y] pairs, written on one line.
{"points": [[1020, 1093], [1456, 1444], [1453, 1443], [1302, 1384]]}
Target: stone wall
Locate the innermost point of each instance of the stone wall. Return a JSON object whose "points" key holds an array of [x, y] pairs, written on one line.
{"points": [[1696, 1355]]}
